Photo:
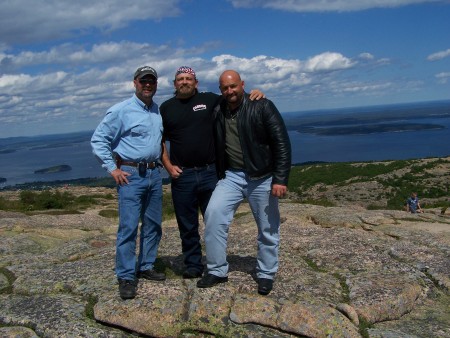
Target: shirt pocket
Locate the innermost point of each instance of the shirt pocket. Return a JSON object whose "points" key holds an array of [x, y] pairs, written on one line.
{"points": [[138, 131]]}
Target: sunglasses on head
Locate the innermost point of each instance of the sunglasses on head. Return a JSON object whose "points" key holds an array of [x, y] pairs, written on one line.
{"points": [[151, 81]]}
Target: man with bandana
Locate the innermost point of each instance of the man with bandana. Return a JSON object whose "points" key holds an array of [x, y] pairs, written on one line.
{"points": [[187, 120]]}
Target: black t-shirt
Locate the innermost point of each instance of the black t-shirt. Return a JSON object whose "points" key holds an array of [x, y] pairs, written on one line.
{"points": [[188, 127]]}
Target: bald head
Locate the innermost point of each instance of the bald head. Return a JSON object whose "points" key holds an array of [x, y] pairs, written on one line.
{"points": [[232, 88], [230, 74]]}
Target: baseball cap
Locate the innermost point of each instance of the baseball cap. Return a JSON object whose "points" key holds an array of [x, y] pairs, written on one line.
{"points": [[145, 70]]}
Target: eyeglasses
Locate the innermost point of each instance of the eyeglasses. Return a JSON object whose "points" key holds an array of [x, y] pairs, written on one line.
{"points": [[147, 81]]}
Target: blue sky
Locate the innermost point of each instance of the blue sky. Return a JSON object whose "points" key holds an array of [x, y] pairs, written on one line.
{"points": [[63, 63]]}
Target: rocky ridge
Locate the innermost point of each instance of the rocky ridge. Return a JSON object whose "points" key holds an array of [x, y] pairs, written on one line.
{"points": [[375, 191], [344, 272]]}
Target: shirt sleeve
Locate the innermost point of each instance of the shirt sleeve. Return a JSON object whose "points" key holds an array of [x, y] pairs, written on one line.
{"points": [[104, 139]]}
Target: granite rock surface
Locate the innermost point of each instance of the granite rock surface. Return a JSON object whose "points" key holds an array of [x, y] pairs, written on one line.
{"points": [[344, 272]]}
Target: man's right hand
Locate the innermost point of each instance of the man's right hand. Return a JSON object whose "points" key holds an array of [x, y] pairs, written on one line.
{"points": [[120, 176], [175, 171]]}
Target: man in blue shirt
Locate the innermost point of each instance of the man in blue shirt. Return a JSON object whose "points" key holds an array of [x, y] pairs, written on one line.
{"points": [[127, 142]]}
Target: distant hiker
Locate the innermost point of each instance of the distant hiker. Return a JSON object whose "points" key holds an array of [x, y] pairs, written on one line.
{"points": [[127, 142], [413, 205], [253, 161]]}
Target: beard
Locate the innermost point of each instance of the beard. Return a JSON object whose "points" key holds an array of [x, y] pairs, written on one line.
{"points": [[185, 91]]}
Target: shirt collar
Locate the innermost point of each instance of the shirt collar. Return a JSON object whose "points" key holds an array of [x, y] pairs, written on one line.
{"points": [[142, 104]]}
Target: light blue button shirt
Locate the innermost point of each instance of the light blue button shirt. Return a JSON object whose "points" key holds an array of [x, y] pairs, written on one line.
{"points": [[130, 129]]}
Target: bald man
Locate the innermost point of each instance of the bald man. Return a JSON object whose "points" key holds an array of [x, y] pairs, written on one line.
{"points": [[253, 161]]}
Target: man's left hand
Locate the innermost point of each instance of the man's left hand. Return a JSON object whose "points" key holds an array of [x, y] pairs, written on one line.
{"points": [[256, 94], [279, 190]]}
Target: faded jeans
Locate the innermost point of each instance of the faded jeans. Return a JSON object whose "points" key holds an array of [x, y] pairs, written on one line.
{"points": [[225, 200], [139, 200]]}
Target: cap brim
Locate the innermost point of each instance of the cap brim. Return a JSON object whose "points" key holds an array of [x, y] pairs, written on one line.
{"points": [[145, 74]]}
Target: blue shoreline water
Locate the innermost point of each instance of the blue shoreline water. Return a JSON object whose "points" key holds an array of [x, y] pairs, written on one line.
{"points": [[22, 156]]}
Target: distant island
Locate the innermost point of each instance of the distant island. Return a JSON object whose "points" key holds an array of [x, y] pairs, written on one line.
{"points": [[367, 129], [2, 180], [7, 151], [54, 169]]}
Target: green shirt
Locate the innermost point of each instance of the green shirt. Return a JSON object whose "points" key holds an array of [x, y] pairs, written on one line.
{"points": [[233, 149]]}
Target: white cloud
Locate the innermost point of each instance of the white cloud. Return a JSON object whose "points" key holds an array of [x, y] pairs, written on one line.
{"points": [[275, 68], [325, 5], [23, 82], [78, 83], [41, 20], [439, 55], [366, 56], [328, 62], [358, 87], [7, 81], [261, 65], [10, 102], [443, 77], [77, 55]]}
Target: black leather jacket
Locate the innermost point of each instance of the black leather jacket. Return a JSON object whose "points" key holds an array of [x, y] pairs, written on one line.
{"points": [[264, 140]]}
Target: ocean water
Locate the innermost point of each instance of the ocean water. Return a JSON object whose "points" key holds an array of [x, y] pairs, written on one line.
{"points": [[23, 162], [22, 156], [373, 147]]}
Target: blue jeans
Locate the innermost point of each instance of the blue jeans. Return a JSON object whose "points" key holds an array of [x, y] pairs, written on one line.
{"points": [[191, 192], [139, 200], [225, 200]]}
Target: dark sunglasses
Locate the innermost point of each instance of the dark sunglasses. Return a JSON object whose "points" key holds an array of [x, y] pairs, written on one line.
{"points": [[147, 81]]}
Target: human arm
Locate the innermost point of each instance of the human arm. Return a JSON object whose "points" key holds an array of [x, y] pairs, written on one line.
{"points": [[101, 142], [173, 170], [419, 209], [278, 141]]}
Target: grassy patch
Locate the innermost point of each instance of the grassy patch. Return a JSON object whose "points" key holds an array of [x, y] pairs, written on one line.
{"points": [[241, 214], [10, 277], [334, 173], [417, 219], [313, 265], [55, 212], [46, 200], [161, 266], [322, 202], [364, 326], [168, 209], [109, 213], [89, 309], [444, 205], [434, 281], [106, 196], [60, 203], [344, 286], [375, 207]]}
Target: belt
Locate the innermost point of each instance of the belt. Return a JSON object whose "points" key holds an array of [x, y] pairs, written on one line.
{"points": [[149, 165], [199, 167]]}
